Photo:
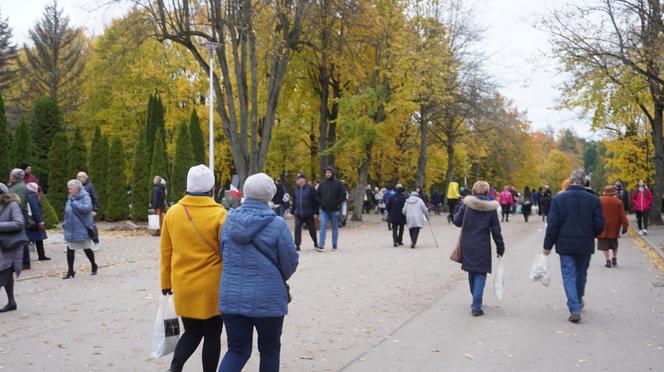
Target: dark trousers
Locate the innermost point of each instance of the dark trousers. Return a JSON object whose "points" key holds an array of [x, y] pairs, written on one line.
{"points": [[7, 281], [505, 211], [451, 204], [642, 220], [311, 226], [240, 330], [414, 233], [397, 233], [39, 244], [194, 331], [26, 256], [71, 255]]}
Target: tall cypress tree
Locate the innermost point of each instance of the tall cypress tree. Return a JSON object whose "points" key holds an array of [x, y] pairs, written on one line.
{"points": [[58, 174], [196, 135], [78, 154], [140, 180], [46, 122], [5, 140], [99, 167], [22, 149], [159, 159], [159, 123], [117, 205], [149, 127], [183, 160]]}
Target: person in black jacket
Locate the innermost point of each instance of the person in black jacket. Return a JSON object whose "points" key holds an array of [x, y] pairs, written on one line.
{"points": [[37, 232], [396, 216], [478, 219], [304, 208], [623, 195], [575, 219], [90, 188], [158, 198], [331, 193]]}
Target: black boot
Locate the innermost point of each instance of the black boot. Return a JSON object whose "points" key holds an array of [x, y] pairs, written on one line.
{"points": [[70, 264], [40, 251], [91, 257]]}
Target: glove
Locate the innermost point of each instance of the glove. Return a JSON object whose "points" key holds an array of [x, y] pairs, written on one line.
{"points": [[501, 252], [166, 291]]}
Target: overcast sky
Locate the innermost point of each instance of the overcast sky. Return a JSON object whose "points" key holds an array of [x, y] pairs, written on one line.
{"points": [[515, 49]]}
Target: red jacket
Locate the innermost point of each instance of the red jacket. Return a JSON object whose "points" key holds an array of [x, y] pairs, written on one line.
{"points": [[641, 200], [506, 198], [614, 215]]}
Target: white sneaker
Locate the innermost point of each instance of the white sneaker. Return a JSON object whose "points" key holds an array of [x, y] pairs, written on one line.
{"points": [[645, 232], [640, 232]]}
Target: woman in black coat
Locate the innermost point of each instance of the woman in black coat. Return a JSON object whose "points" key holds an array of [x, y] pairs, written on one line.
{"points": [[478, 219], [37, 232], [395, 215]]}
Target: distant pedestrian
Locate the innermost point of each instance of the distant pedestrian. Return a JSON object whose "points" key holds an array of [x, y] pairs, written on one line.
{"points": [[259, 256], [453, 197], [575, 219], [478, 219], [396, 217], [368, 199], [11, 262], [616, 220], [436, 201], [506, 200], [78, 220], [304, 209], [416, 213], [536, 199], [92, 191], [190, 267], [29, 177], [278, 199], [330, 195], [641, 199], [526, 203], [378, 200], [158, 199], [623, 195], [545, 201], [36, 229], [16, 180], [389, 194]]}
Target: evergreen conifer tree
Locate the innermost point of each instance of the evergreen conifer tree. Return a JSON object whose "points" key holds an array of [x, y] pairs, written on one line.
{"points": [[46, 122], [117, 204], [140, 181], [58, 174], [149, 127], [159, 159], [22, 149], [78, 154], [6, 140], [99, 166], [50, 216], [197, 142], [183, 160]]}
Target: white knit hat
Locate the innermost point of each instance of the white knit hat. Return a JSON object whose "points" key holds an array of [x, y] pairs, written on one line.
{"points": [[260, 186], [200, 179]]}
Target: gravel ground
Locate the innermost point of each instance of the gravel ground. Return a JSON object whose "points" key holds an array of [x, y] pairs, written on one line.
{"points": [[367, 307]]}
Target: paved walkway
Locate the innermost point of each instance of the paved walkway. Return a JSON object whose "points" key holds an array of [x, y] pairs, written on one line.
{"points": [[368, 307]]}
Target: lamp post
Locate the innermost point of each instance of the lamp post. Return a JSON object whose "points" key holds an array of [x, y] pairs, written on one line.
{"points": [[211, 47]]}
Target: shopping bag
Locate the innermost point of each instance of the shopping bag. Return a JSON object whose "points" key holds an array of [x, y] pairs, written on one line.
{"points": [[153, 221], [166, 328], [539, 271], [498, 279]]}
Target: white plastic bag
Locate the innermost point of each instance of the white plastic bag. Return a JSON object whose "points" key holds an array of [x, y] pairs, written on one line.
{"points": [[166, 328], [153, 221], [498, 279], [539, 271]]}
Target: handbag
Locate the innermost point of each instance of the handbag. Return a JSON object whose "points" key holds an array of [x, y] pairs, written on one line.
{"points": [[456, 253], [11, 240], [30, 222], [93, 233]]}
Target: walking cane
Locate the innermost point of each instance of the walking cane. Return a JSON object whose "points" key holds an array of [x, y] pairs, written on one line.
{"points": [[432, 234]]}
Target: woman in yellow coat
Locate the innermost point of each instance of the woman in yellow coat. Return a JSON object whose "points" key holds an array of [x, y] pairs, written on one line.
{"points": [[191, 267]]}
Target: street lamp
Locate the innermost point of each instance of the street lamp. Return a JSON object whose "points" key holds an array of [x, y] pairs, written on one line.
{"points": [[211, 47]]}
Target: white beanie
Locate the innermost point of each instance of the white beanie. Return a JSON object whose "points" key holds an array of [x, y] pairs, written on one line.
{"points": [[260, 186], [200, 179]]}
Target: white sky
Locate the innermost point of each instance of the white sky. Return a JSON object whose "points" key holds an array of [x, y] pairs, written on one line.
{"points": [[515, 49]]}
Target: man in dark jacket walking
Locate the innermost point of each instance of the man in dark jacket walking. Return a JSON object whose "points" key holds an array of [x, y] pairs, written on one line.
{"points": [[396, 217], [574, 220], [331, 193], [158, 199], [304, 208], [90, 188]]}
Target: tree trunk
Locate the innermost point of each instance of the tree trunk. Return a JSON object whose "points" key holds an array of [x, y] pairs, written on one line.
{"points": [[655, 216], [362, 179], [422, 159], [449, 174]]}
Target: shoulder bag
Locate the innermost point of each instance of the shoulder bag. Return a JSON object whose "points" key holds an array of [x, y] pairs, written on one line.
{"points": [[456, 253], [11, 240], [93, 233]]}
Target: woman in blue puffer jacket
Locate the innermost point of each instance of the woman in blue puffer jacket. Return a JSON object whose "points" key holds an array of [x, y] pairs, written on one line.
{"points": [[78, 218], [259, 255]]}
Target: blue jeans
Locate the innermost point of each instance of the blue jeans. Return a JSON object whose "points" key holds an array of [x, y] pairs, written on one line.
{"points": [[324, 218], [477, 282], [574, 270], [239, 332]]}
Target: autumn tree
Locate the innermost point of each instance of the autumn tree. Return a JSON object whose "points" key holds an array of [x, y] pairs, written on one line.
{"points": [[247, 116], [98, 168], [8, 55], [140, 180], [53, 66], [6, 137]]}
